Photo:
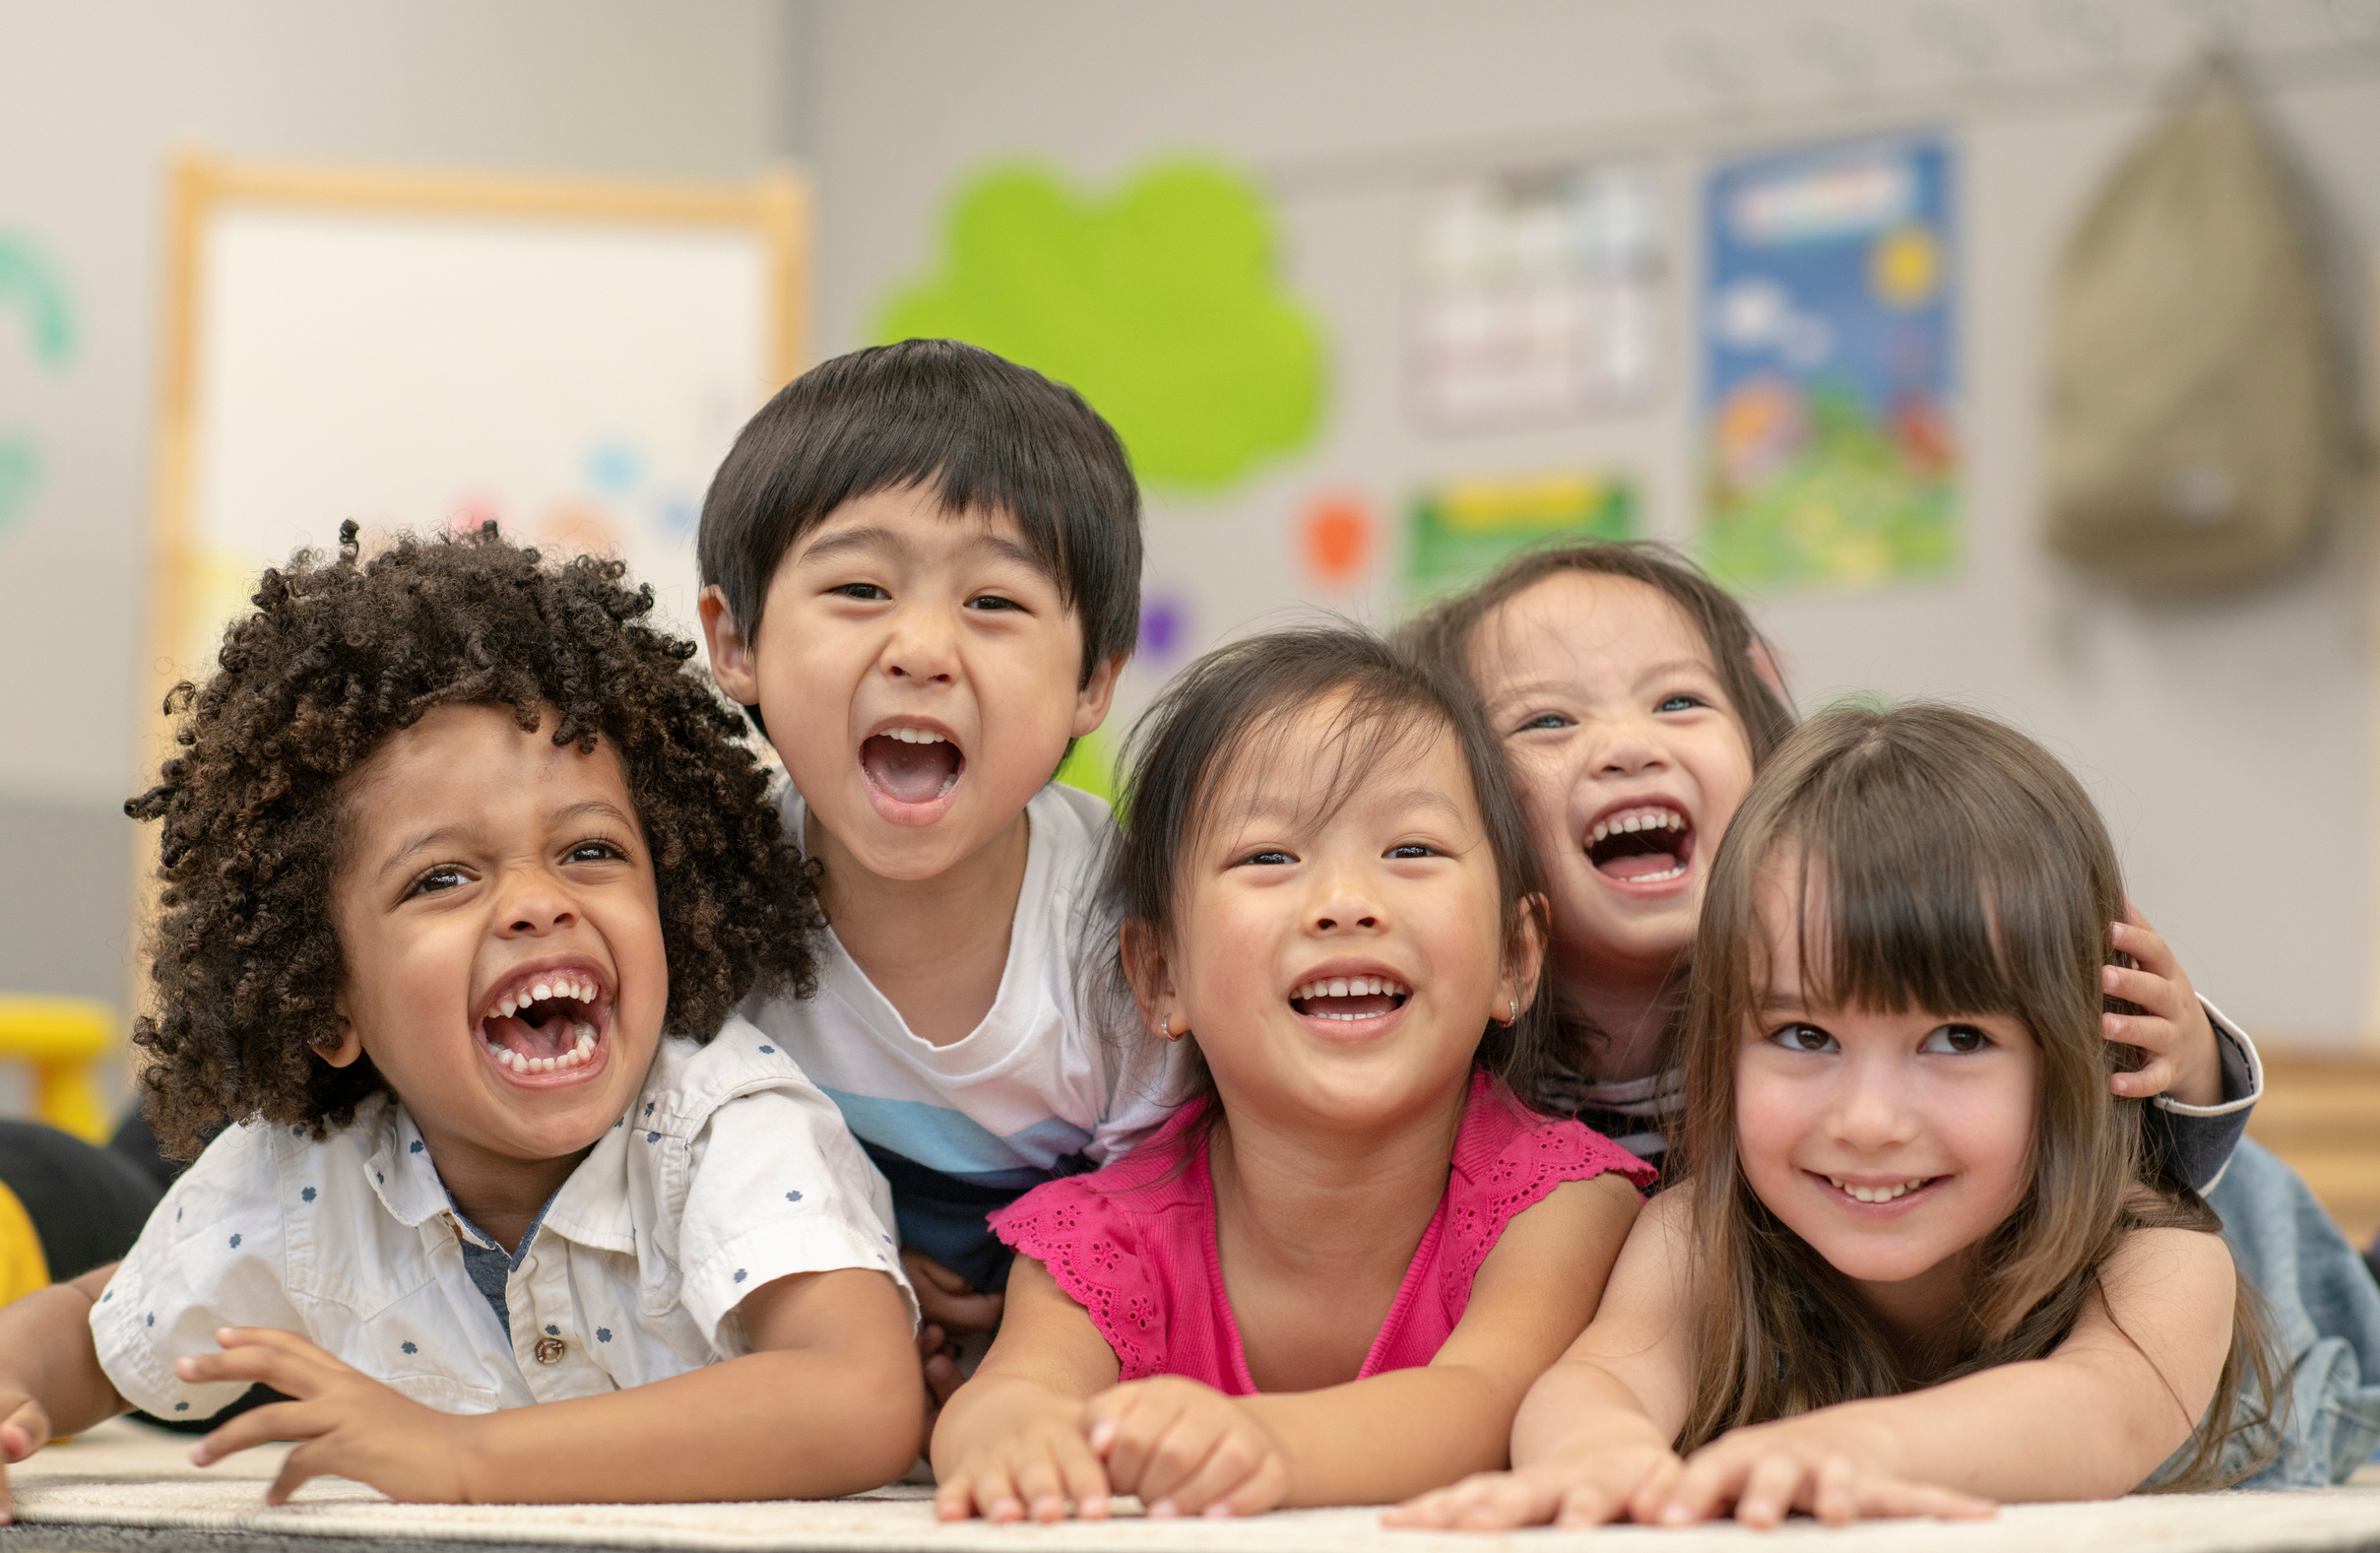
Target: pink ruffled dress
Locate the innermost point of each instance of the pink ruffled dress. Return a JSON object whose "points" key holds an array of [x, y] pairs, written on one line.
{"points": [[1135, 1244]]}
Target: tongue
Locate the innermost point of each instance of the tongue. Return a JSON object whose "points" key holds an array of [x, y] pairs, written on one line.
{"points": [[1638, 865], [514, 1033], [911, 773]]}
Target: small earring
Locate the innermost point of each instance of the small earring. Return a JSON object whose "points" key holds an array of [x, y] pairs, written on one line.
{"points": [[1165, 1028]]}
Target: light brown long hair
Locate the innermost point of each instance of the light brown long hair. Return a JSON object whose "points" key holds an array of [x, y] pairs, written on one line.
{"points": [[1943, 862]]}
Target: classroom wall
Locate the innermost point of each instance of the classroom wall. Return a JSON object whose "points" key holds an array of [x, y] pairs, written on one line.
{"points": [[94, 100], [2229, 741]]}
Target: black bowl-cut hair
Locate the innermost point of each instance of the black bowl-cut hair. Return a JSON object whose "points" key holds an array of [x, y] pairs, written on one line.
{"points": [[987, 434], [339, 655]]}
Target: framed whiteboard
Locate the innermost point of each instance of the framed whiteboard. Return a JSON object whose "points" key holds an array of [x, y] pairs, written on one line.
{"points": [[423, 351]]}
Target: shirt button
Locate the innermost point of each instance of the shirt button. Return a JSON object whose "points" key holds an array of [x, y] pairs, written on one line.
{"points": [[549, 1350]]}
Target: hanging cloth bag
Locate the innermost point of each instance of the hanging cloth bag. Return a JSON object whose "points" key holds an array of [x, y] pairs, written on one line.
{"points": [[2197, 421]]}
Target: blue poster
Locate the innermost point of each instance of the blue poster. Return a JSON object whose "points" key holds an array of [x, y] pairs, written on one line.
{"points": [[1829, 366]]}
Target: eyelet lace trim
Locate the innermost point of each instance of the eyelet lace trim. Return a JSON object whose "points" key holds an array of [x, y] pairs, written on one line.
{"points": [[1091, 1268]]}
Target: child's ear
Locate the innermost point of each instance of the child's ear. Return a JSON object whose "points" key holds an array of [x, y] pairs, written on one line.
{"points": [[348, 1046], [1151, 979], [732, 662], [1091, 701], [1525, 957]]}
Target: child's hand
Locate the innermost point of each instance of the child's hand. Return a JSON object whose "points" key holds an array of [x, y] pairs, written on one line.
{"points": [[947, 1299], [24, 1429], [1185, 1449], [1025, 1451], [1808, 1464], [348, 1424], [2172, 1031], [1586, 1492]]}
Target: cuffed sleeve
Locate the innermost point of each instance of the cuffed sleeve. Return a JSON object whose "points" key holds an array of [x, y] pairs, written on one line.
{"points": [[2196, 1141]]}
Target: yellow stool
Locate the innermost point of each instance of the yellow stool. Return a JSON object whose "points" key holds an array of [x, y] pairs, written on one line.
{"points": [[63, 1038]]}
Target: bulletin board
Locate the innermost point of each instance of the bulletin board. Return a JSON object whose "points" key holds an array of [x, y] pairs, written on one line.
{"points": [[424, 351]]}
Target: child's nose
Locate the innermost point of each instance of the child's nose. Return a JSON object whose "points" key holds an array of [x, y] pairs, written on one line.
{"points": [[535, 908], [1345, 905], [1873, 1110], [1629, 750], [920, 648]]}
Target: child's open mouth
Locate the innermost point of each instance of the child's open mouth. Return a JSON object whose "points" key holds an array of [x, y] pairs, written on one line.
{"points": [[1347, 999], [547, 1019], [1642, 844], [910, 764]]}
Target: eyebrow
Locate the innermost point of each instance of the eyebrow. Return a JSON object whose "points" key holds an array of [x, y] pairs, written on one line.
{"points": [[1288, 811], [875, 538]]}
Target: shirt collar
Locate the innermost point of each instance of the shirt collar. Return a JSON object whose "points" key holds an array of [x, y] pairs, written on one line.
{"points": [[400, 1171], [591, 1207]]}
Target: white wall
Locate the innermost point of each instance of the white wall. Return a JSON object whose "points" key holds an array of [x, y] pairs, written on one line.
{"points": [[97, 98], [2229, 742]]}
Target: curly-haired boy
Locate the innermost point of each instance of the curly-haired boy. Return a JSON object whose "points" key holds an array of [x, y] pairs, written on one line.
{"points": [[463, 874]]}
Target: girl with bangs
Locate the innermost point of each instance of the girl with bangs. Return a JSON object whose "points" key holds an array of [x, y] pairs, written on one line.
{"points": [[1920, 1259]]}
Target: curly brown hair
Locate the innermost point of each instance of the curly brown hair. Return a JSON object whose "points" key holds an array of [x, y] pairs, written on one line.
{"points": [[343, 653]]}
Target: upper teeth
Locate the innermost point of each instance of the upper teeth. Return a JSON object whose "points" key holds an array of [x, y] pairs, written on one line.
{"points": [[1877, 1193], [1351, 987], [578, 987], [1644, 819], [915, 736]]}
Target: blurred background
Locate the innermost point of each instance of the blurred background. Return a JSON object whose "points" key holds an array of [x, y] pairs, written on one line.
{"points": [[2004, 350]]}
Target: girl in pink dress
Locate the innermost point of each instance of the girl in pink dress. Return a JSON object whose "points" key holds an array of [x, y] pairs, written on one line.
{"points": [[1333, 1277]]}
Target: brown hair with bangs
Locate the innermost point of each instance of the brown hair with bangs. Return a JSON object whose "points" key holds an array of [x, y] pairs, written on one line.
{"points": [[1230, 713], [1943, 862]]}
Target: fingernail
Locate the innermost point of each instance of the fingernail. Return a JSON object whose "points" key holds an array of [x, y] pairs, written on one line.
{"points": [[1163, 1510], [1673, 1514], [1102, 1432], [1221, 1510], [2108, 975]]}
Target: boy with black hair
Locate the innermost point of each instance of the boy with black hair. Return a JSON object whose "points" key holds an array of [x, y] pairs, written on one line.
{"points": [[922, 567]]}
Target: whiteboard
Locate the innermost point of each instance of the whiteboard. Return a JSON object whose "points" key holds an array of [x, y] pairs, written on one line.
{"points": [[421, 352]]}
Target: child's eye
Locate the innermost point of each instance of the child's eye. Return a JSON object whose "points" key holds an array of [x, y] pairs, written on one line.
{"points": [[859, 590], [437, 880], [1954, 1040], [1680, 702], [593, 852], [1545, 720], [1406, 849], [1270, 856], [993, 601], [1802, 1038]]}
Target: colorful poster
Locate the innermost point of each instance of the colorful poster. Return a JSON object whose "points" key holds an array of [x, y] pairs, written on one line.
{"points": [[1538, 299], [1462, 530], [1829, 363]]}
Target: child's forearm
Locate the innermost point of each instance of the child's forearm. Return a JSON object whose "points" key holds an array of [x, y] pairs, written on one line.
{"points": [[782, 1424], [46, 1353], [2040, 1430], [1388, 1436], [1578, 1408]]}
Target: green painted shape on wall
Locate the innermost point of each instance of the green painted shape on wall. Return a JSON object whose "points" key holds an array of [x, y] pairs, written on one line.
{"points": [[1163, 305], [33, 290]]}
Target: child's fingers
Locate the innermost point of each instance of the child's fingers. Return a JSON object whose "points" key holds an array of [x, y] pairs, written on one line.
{"points": [[1087, 1479], [1644, 1505], [1124, 1426], [22, 1433], [954, 1498], [306, 1461], [1589, 1504], [2156, 994], [1173, 1460], [1769, 1490], [1231, 1459], [1258, 1492], [275, 1341], [2152, 1077], [1834, 1497], [996, 1495], [1708, 1480], [280, 1421], [1042, 1486], [2136, 938]]}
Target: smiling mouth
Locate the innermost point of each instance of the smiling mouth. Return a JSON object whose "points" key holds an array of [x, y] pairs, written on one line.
{"points": [[912, 765], [550, 1022], [1652, 844], [1350, 996], [1878, 1194]]}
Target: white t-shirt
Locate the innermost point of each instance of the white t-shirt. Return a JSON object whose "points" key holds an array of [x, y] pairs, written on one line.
{"points": [[1034, 1092], [730, 1170]]}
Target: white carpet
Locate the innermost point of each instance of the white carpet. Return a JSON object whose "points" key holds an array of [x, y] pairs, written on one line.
{"points": [[123, 1486]]}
